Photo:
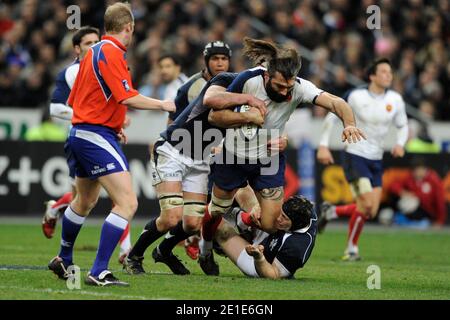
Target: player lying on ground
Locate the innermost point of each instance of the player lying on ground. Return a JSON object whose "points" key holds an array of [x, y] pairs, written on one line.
{"points": [[277, 255]]}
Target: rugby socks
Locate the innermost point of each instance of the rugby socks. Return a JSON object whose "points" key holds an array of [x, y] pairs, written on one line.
{"points": [[112, 230], [149, 235], [71, 225], [61, 204], [356, 224], [172, 238], [125, 241], [244, 221], [209, 227], [345, 210]]}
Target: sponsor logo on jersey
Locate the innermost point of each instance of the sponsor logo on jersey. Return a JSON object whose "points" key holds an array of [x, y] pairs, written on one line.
{"points": [[388, 108], [125, 85]]}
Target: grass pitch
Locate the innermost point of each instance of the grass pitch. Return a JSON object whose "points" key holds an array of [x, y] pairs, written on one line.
{"points": [[413, 264]]}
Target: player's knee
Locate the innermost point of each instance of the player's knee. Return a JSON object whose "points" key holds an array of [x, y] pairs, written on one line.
{"points": [[193, 212], [192, 226], [366, 208], [224, 233], [218, 207], [168, 221]]}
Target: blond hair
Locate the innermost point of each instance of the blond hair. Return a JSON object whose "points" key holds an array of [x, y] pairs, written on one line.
{"points": [[117, 16]]}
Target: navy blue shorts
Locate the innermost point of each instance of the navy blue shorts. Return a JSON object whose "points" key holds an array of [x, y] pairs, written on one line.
{"points": [[71, 161], [260, 176], [94, 151], [356, 167]]}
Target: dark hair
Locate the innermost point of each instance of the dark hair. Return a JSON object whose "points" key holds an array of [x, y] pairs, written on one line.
{"points": [[286, 61], [372, 69], [78, 36], [174, 58], [300, 210], [418, 161]]}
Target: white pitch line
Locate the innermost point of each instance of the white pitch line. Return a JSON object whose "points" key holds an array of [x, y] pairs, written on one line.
{"points": [[81, 292]]}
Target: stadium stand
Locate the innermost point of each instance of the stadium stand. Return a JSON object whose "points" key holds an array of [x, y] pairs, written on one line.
{"points": [[34, 42]]}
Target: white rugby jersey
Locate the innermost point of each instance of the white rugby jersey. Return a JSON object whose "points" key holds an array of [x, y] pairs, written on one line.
{"points": [[170, 91], [252, 82], [374, 114]]}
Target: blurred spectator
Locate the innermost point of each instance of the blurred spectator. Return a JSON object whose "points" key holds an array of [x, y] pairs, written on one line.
{"points": [[47, 130], [415, 37], [170, 76], [428, 109], [420, 195], [420, 140]]}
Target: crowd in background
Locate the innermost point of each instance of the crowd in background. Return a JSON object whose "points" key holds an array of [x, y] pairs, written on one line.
{"points": [[35, 42]]}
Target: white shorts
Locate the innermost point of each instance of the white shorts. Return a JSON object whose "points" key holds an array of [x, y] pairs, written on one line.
{"points": [[169, 165], [245, 262]]}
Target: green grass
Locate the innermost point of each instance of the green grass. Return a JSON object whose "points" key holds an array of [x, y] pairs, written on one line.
{"points": [[414, 265]]}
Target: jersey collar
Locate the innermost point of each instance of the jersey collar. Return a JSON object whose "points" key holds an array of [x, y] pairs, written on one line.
{"points": [[115, 41], [304, 229]]}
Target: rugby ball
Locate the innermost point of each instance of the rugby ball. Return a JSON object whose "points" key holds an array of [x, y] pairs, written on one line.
{"points": [[250, 130]]}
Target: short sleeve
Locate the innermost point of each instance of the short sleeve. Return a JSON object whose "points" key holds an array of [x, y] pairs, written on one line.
{"points": [[309, 91], [71, 74], [114, 70]]}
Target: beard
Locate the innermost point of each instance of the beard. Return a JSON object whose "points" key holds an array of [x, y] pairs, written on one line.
{"points": [[275, 96]]}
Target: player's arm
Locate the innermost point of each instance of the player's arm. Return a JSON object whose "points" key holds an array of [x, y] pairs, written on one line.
{"points": [[145, 103], [61, 111], [401, 123], [324, 155], [227, 118], [114, 71], [218, 99], [262, 266], [344, 112]]}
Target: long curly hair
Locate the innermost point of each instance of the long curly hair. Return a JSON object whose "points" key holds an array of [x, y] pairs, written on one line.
{"points": [[286, 61]]}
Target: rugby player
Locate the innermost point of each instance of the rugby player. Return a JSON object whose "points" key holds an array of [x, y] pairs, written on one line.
{"points": [[283, 91], [277, 255], [376, 107], [180, 168]]}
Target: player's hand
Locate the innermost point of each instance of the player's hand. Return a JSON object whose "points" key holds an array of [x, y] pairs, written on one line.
{"points": [[255, 117], [256, 251], [398, 151], [278, 144], [127, 122], [258, 104], [352, 134], [255, 216], [168, 106], [216, 150], [324, 155], [122, 136]]}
